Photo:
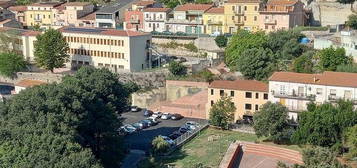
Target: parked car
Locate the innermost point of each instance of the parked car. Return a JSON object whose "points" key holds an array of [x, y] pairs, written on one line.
{"points": [[149, 122], [153, 120], [147, 113], [126, 129], [183, 129], [168, 140], [138, 126], [166, 116], [157, 114], [180, 33], [191, 125], [144, 123], [134, 109], [176, 117], [167, 33], [175, 135]]}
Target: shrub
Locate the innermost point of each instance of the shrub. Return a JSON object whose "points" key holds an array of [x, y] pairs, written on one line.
{"points": [[159, 145], [177, 69], [191, 47], [221, 41]]}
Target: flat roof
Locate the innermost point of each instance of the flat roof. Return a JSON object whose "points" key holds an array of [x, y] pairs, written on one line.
{"points": [[114, 6], [194, 7], [245, 85], [98, 31], [328, 78]]}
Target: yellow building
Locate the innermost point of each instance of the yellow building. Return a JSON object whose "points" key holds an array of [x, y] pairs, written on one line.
{"points": [[214, 21], [42, 14], [241, 14], [247, 95]]}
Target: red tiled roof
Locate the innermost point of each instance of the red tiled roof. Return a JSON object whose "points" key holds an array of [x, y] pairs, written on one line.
{"points": [[195, 7], [157, 9], [144, 3], [18, 8], [248, 85], [47, 4], [216, 10], [31, 33], [329, 78], [5, 21], [243, 1], [29, 83], [282, 2], [90, 16], [77, 4], [111, 32]]}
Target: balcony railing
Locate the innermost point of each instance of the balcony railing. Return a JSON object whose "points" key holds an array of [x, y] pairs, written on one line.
{"points": [[37, 19], [135, 21], [184, 21], [214, 22], [239, 12], [301, 96], [239, 22], [154, 19], [270, 21], [334, 98]]}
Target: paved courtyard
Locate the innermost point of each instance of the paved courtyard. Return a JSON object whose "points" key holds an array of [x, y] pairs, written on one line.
{"points": [[142, 140]]}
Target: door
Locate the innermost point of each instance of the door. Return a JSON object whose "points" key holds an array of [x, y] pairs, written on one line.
{"points": [[189, 29], [301, 91]]}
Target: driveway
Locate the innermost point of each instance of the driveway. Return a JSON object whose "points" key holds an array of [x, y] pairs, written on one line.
{"points": [[142, 140]]}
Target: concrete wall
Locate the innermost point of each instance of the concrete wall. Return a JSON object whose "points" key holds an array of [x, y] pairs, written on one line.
{"points": [[177, 89], [46, 77], [144, 100], [145, 79], [164, 40]]}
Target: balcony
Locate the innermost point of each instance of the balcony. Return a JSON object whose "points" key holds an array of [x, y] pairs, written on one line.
{"points": [[238, 22], [150, 19], [184, 21], [134, 21], [239, 12], [37, 19], [214, 22], [270, 22], [301, 96], [334, 98]]}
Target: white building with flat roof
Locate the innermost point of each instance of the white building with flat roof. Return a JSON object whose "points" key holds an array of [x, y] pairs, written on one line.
{"points": [[117, 50], [296, 90]]}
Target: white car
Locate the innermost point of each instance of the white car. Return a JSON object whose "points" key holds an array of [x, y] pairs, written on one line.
{"points": [[166, 116], [157, 114], [192, 125], [168, 140]]}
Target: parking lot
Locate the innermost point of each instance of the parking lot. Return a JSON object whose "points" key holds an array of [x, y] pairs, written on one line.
{"points": [[142, 139]]}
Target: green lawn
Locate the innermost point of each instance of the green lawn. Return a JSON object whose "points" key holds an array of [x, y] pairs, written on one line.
{"points": [[201, 150]]}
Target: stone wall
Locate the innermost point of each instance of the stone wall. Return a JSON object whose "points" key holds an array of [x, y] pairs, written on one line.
{"points": [[163, 40], [145, 99], [152, 79], [177, 89], [182, 52], [46, 77]]}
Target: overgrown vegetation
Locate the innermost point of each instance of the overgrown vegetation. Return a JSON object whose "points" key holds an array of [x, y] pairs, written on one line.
{"points": [[221, 41], [159, 145], [173, 44], [202, 76], [10, 63], [347, 68], [310, 28], [177, 69]]}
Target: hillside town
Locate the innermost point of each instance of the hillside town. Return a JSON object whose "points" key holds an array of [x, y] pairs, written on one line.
{"points": [[178, 83]]}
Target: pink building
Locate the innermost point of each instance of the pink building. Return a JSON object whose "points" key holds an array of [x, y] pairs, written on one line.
{"points": [[282, 14], [134, 17], [19, 12], [68, 13]]}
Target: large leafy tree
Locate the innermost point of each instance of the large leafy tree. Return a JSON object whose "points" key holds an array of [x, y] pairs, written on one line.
{"points": [[256, 63], [71, 124], [320, 157], [272, 121], [51, 50], [352, 21], [222, 113], [10, 63], [240, 42], [304, 64], [324, 125], [330, 58]]}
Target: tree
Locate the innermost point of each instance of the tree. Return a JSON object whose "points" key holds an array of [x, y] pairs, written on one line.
{"points": [[203, 1], [350, 141], [159, 145], [303, 64], [320, 157], [256, 63], [240, 42], [177, 68], [352, 68], [323, 125], [330, 58], [221, 41], [352, 21], [222, 113], [70, 124], [271, 121], [278, 39], [10, 63], [51, 50]]}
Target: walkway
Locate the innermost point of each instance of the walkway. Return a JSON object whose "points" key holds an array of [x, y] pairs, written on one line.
{"points": [[133, 158]]}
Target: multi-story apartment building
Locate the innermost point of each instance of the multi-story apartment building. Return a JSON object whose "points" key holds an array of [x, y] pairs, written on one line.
{"points": [[247, 95], [188, 18], [241, 14], [19, 12], [154, 19], [214, 21], [87, 20], [117, 50], [282, 14], [296, 90], [42, 14], [133, 18], [68, 14]]}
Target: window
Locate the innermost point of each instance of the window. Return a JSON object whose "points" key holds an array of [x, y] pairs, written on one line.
{"points": [[248, 106], [273, 27], [333, 92], [212, 102], [245, 18], [255, 18], [31, 16], [233, 8], [255, 8], [149, 24], [160, 16], [49, 16], [318, 91], [245, 8], [221, 92], [256, 107], [257, 95], [212, 91], [44, 16], [248, 94], [266, 26], [232, 17], [232, 93], [265, 96], [348, 95]]}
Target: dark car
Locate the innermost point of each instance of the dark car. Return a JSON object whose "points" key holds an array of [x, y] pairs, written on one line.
{"points": [[176, 117], [153, 120], [183, 130], [138, 126], [174, 135], [149, 122], [180, 34], [147, 113], [144, 123]]}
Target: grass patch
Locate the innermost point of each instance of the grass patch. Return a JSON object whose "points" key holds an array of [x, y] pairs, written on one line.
{"points": [[201, 150], [173, 44]]}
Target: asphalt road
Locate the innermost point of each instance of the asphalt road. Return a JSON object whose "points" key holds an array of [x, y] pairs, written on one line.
{"points": [[142, 140]]}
